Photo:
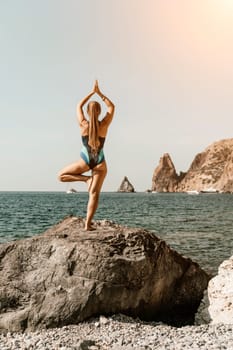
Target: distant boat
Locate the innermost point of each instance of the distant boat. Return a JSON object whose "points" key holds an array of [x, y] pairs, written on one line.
{"points": [[71, 190], [209, 190], [192, 192]]}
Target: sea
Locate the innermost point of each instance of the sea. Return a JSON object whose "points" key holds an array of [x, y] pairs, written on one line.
{"points": [[197, 226]]}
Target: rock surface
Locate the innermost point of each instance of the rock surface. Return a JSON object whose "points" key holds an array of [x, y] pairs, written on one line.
{"points": [[217, 304], [67, 275], [126, 186], [212, 168]]}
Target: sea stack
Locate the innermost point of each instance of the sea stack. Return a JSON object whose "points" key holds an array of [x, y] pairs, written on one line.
{"points": [[165, 178], [126, 186]]}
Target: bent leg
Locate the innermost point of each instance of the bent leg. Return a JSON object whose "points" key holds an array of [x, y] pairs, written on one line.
{"points": [[98, 176], [73, 172]]}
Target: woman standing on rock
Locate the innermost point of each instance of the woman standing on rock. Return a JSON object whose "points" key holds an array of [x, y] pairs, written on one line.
{"points": [[93, 133]]}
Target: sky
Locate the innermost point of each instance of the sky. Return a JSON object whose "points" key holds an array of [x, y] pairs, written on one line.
{"points": [[166, 65]]}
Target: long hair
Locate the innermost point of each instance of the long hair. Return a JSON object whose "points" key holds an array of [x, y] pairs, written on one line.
{"points": [[93, 110]]}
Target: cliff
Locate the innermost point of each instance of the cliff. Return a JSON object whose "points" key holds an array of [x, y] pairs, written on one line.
{"points": [[126, 186], [212, 168], [67, 275]]}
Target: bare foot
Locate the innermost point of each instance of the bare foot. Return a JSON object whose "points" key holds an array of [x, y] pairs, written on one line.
{"points": [[89, 182], [90, 228]]}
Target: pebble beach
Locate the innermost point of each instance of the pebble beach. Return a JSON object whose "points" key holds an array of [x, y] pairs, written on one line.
{"points": [[120, 332]]}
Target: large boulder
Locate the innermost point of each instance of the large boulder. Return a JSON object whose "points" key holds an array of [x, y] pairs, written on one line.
{"points": [[67, 275], [217, 304]]}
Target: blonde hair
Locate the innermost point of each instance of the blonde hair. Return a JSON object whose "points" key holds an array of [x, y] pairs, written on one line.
{"points": [[93, 110]]}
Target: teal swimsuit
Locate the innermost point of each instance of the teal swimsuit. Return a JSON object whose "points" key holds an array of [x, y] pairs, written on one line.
{"points": [[88, 156]]}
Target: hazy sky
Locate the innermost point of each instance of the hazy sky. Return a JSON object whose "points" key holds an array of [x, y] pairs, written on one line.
{"points": [[166, 64]]}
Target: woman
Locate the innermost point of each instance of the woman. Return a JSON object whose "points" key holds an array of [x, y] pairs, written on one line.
{"points": [[93, 134]]}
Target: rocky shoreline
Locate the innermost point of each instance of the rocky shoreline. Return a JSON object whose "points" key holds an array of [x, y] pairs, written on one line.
{"points": [[120, 332]]}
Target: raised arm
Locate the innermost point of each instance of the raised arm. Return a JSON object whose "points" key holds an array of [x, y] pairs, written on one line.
{"points": [[80, 114]]}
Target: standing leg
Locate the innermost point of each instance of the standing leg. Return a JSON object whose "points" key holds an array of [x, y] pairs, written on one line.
{"points": [[98, 176]]}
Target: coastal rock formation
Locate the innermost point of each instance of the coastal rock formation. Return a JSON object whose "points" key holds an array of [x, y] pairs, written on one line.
{"points": [[165, 178], [126, 186], [217, 304], [212, 168], [67, 275]]}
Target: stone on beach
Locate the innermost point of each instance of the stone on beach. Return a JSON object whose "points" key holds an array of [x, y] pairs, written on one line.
{"points": [[217, 304], [67, 275]]}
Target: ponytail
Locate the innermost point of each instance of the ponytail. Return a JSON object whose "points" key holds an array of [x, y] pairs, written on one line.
{"points": [[94, 110]]}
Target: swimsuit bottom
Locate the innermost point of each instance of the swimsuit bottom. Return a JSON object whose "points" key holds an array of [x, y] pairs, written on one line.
{"points": [[92, 159]]}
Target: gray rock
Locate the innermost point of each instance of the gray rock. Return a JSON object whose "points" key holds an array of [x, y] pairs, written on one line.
{"points": [[67, 275], [85, 345], [126, 186]]}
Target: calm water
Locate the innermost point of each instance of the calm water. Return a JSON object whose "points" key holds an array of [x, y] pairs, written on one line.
{"points": [[200, 227]]}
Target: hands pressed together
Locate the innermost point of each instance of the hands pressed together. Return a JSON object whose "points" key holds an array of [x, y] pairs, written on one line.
{"points": [[96, 90], [96, 87]]}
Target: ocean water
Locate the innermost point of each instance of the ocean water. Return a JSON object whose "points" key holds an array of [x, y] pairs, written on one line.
{"points": [[200, 227]]}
